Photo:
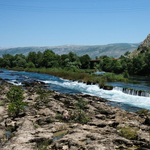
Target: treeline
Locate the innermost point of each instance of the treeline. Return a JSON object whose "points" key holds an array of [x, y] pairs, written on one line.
{"points": [[137, 65], [46, 59]]}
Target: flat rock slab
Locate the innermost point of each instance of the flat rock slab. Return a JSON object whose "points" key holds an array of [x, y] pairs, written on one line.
{"points": [[2, 110]]}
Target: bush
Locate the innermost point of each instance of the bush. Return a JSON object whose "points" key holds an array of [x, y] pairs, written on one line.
{"points": [[79, 115], [112, 77], [31, 65], [15, 96], [43, 93], [81, 104]]}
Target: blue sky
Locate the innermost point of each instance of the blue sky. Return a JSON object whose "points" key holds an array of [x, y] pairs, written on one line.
{"points": [[77, 22]]}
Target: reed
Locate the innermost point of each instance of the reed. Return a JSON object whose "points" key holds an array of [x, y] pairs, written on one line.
{"points": [[79, 75]]}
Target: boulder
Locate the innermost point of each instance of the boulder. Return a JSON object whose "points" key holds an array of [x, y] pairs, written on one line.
{"points": [[147, 120]]}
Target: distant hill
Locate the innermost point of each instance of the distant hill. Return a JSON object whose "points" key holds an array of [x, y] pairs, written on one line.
{"points": [[142, 48], [114, 50]]}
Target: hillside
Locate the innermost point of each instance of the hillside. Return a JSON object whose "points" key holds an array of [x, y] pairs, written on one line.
{"points": [[114, 50], [142, 48]]}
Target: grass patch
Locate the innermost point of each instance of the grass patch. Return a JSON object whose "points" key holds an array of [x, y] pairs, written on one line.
{"points": [[100, 109], [128, 132], [36, 125], [2, 104], [59, 117], [42, 145], [1, 120], [143, 111]]}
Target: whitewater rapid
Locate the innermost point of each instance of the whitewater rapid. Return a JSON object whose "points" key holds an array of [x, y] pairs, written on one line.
{"points": [[115, 95]]}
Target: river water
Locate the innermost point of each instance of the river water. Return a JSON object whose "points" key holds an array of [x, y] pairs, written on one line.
{"points": [[116, 96]]}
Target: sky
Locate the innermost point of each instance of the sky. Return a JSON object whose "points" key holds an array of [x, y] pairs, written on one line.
{"points": [[73, 22]]}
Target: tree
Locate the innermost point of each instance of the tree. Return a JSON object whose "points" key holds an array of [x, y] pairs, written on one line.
{"points": [[22, 63], [49, 58], [39, 59], [19, 61], [127, 53], [96, 57], [107, 64], [1, 63], [138, 65], [85, 61], [103, 57], [63, 60], [126, 75], [7, 60], [116, 66], [73, 62], [32, 57]]}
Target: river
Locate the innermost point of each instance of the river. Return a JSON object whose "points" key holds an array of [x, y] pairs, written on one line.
{"points": [[116, 96]]}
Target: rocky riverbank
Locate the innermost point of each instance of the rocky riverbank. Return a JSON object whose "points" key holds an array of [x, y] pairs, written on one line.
{"points": [[53, 120]]}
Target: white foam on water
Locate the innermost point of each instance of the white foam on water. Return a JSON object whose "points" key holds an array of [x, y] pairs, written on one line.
{"points": [[112, 95], [13, 82]]}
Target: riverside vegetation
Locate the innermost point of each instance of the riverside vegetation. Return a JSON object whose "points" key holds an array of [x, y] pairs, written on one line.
{"points": [[53, 120], [135, 65], [68, 66]]}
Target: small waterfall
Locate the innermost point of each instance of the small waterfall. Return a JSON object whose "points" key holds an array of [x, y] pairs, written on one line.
{"points": [[145, 94], [132, 91], [117, 88]]}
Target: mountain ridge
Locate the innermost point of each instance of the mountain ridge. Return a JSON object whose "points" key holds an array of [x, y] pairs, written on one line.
{"points": [[142, 48], [113, 50]]}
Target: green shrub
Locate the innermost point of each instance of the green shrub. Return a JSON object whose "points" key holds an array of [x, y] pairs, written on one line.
{"points": [[80, 115], [30, 65], [15, 96], [102, 82], [81, 104], [40, 91], [112, 77], [43, 93]]}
